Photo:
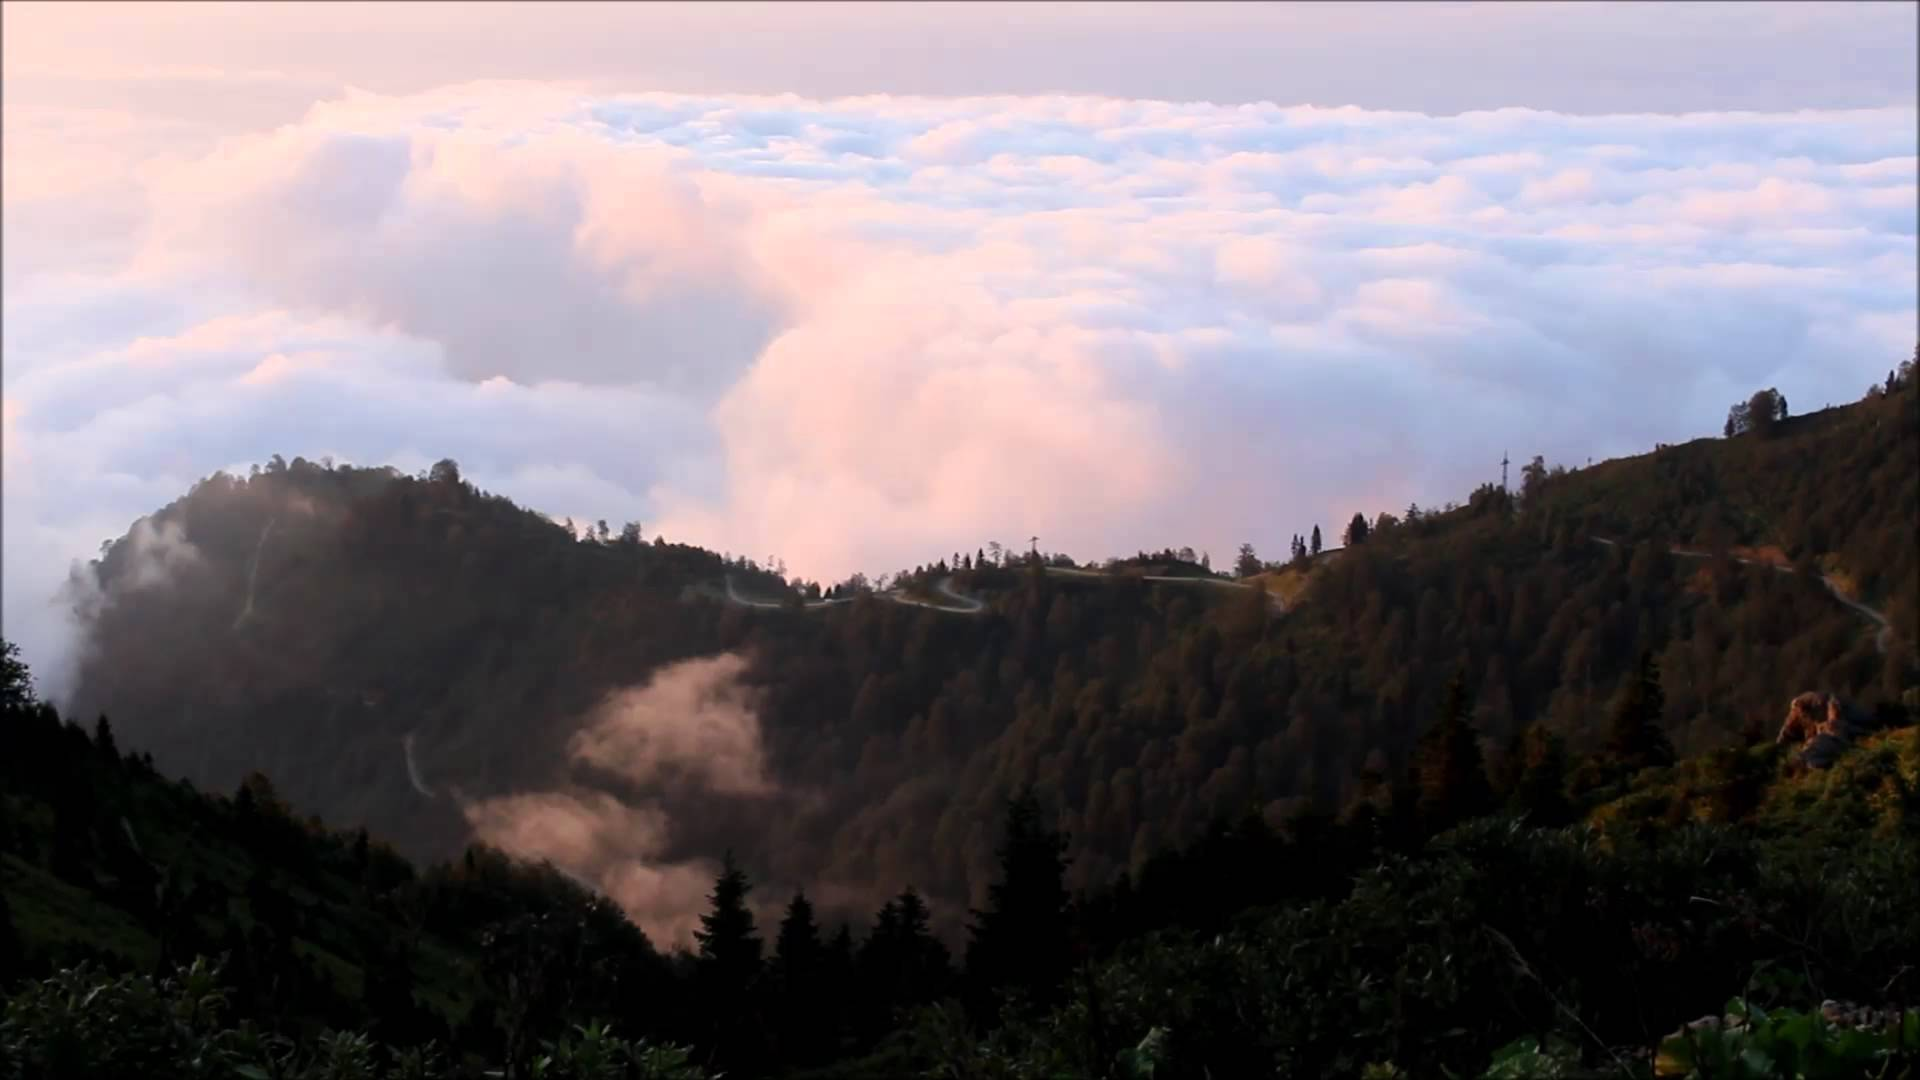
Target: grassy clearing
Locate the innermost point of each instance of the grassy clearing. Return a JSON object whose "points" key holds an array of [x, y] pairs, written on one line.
{"points": [[1288, 583]]}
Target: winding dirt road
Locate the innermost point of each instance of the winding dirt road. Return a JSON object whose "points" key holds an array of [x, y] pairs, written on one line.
{"points": [[1882, 640], [1279, 605], [973, 605], [969, 605], [733, 595], [413, 770]]}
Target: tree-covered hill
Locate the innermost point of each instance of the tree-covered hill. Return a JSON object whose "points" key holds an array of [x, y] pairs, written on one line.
{"points": [[1494, 924], [394, 650], [105, 862]]}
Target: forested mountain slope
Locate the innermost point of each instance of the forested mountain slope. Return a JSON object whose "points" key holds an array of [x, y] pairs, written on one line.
{"points": [[1452, 922], [318, 623], [105, 862]]}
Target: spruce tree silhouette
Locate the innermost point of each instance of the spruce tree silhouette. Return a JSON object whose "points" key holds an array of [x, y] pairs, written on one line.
{"points": [[727, 969], [1636, 738], [1021, 941], [1452, 778]]}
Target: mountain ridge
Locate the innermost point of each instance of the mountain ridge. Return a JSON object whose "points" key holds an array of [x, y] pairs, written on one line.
{"points": [[363, 636]]}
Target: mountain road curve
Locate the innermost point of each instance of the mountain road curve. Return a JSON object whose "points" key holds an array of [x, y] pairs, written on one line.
{"points": [[964, 604], [1882, 640]]}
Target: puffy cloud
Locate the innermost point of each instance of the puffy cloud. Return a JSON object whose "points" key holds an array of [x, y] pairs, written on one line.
{"points": [[607, 844], [686, 737], [859, 333], [692, 723]]}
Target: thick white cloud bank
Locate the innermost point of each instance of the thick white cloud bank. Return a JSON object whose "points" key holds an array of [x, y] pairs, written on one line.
{"points": [[863, 333]]}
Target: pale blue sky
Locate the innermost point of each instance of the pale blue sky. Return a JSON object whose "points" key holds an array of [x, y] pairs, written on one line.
{"points": [[1431, 57]]}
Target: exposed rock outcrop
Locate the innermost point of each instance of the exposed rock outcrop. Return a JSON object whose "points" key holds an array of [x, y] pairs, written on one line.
{"points": [[1822, 726]]}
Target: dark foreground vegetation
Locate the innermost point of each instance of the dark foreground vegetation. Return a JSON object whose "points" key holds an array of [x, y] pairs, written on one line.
{"points": [[1452, 921]]}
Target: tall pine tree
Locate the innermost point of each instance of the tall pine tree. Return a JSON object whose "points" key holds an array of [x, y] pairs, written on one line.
{"points": [[1636, 737], [803, 1018], [1540, 788], [727, 970], [1021, 940], [729, 946], [902, 960], [797, 949], [1451, 771]]}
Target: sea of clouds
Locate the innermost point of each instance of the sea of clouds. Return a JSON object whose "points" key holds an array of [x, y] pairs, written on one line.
{"points": [[862, 333]]}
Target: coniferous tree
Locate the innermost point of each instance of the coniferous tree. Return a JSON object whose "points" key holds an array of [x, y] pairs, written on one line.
{"points": [[797, 949], [875, 967], [1540, 791], [798, 962], [1451, 770], [902, 960], [729, 947], [103, 739], [837, 978], [727, 970], [1021, 940], [1315, 546], [1636, 738]]}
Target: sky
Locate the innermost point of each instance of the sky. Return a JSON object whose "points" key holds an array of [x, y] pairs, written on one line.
{"points": [[860, 285]]}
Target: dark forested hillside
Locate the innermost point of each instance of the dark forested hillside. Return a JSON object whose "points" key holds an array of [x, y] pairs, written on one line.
{"points": [[106, 864], [397, 651], [1454, 923]]}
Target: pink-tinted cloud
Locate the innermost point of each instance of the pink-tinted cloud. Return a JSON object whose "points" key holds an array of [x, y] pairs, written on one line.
{"points": [[608, 845], [689, 733], [692, 724], [860, 333]]}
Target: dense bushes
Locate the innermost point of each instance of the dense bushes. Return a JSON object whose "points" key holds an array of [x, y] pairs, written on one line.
{"points": [[1496, 933], [83, 1024]]}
